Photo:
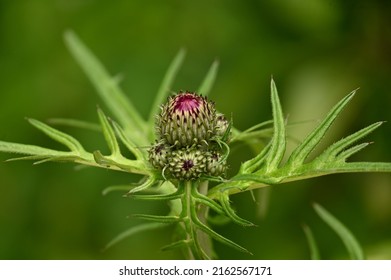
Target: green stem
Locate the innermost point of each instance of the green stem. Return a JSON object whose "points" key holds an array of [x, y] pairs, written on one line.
{"points": [[187, 222], [200, 245]]}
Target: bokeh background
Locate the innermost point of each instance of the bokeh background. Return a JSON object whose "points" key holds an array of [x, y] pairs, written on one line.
{"points": [[316, 50]]}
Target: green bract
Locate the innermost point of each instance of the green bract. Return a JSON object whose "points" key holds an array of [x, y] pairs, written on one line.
{"points": [[190, 150]]}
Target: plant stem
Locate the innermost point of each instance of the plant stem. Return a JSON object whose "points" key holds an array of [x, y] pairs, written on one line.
{"points": [[202, 213]]}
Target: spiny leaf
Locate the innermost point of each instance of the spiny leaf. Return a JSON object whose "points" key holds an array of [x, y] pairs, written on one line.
{"points": [[165, 87], [122, 164], [58, 136], [26, 158], [351, 151], [256, 162], [214, 234], [351, 167], [107, 88], [32, 150], [126, 188], [350, 242], [147, 184], [176, 195], [331, 152], [109, 134], [198, 197], [121, 188], [277, 148], [221, 238], [231, 213], [302, 151], [209, 79]]}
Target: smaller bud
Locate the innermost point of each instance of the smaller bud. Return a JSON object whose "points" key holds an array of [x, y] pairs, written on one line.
{"points": [[214, 165], [158, 155], [221, 125]]}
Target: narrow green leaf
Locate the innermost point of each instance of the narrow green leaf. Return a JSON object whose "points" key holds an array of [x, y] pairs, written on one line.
{"points": [[126, 188], [200, 198], [147, 184], [213, 234], [209, 79], [165, 86], [351, 151], [353, 167], [171, 196], [122, 164], [278, 145], [314, 251], [218, 220], [68, 158], [302, 151], [255, 163], [133, 231], [58, 136], [156, 218], [109, 134], [264, 179], [331, 152], [26, 158], [231, 213], [350, 242], [24, 149], [75, 123], [120, 188], [108, 89], [221, 238]]}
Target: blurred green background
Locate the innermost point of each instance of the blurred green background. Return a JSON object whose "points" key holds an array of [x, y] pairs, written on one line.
{"points": [[316, 50]]}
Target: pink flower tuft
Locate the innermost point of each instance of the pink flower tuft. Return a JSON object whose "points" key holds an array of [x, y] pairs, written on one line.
{"points": [[187, 102]]}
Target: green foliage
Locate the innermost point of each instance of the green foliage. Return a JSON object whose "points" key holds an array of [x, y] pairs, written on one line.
{"points": [[354, 249], [191, 201], [351, 244]]}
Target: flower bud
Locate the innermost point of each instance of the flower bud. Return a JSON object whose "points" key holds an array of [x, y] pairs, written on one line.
{"points": [[189, 136], [214, 165], [187, 164], [186, 119], [158, 156], [221, 125]]}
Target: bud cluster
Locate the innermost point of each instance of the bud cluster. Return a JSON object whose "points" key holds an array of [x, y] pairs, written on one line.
{"points": [[188, 132]]}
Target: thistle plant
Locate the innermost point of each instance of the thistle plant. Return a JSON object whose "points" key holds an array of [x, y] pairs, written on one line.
{"points": [[185, 163]]}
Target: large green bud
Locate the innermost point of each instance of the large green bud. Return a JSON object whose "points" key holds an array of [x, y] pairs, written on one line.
{"points": [[186, 119]]}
